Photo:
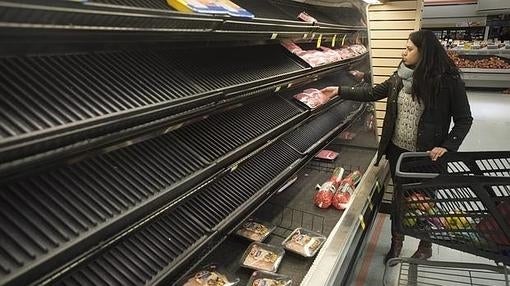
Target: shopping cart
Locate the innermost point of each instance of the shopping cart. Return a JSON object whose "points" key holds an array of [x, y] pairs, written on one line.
{"points": [[461, 201]]}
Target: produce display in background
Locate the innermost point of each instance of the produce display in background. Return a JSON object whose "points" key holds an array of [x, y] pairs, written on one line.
{"points": [[491, 229], [491, 62], [324, 55]]}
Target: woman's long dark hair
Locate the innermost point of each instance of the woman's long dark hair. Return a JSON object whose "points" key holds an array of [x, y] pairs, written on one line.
{"points": [[434, 64]]}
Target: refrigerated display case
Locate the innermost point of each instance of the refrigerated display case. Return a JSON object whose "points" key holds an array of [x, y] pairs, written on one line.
{"points": [[134, 139]]}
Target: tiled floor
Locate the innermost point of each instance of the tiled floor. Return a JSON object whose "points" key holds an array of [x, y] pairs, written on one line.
{"points": [[490, 131]]}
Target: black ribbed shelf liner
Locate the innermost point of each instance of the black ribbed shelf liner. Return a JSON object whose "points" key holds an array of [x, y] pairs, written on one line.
{"points": [[42, 213], [151, 4], [289, 10], [148, 252], [58, 92], [220, 133], [62, 13], [307, 135]]}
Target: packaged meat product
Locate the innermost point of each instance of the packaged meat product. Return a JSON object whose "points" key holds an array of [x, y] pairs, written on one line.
{"points": [[324, 195], [303, 16], [354, 178], [304, 242], [326, 155], [347, 135], [358, 75], [331, 55], [291, 47], [312, 97], [260, 256], [255, 230], [314, 58], [344, 53], [210, 276], [263, 278], [343, 195]]}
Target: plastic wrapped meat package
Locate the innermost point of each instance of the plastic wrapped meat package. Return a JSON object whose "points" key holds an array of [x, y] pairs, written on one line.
{"points": [[312, 97], [324, 55], [313, 58], [358, 49], [345, 53], [304, 242], [303, 16], [331, 55], [255, 230], [262, 278], [210, 275], [323, 196], [291, 47], [326, 155], [260, 256]]}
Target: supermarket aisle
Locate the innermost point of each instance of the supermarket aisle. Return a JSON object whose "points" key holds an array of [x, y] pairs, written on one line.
{"points": [[490, 131], [491, 125]]}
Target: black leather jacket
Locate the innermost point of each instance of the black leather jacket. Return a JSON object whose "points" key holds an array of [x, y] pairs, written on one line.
{"points": [[434, 125]]}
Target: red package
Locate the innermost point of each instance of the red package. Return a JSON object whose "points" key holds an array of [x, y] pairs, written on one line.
{"points": [[306, 18], [354, 178], [342, 196], [324, 195], [326, 155], [491, 229]]}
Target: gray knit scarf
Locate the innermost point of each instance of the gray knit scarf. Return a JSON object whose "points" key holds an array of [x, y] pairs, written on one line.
{"points": [[406, 74]]}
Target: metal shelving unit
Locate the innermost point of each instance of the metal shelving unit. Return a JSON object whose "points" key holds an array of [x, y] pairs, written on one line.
{"points": [[117, 123]]}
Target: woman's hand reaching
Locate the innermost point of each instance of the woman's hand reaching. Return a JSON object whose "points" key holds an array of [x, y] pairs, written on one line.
{"points": [[330, 91], [436, 152]]}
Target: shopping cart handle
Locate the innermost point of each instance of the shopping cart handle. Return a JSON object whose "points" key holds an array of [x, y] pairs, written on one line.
{"points": [[401, 174]]}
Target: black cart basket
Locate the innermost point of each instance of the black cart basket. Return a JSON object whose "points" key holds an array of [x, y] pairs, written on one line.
{"points": [[460, 201]]}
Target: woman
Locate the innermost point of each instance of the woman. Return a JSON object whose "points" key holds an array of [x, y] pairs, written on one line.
{"points": [[423, 96]]}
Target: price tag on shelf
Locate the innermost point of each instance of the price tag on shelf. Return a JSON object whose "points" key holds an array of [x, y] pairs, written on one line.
{"points": [[305, 35], [319, 41], [343, 39], [370, 205], [234, 168], [277, 89], [274, 35], [362, 222], [333, 41], [289, 85]]}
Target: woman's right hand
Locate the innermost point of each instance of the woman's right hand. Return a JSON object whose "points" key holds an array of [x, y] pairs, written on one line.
{"points": [[330, 91]]}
